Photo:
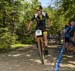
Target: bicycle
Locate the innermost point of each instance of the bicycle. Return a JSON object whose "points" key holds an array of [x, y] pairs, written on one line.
{"points": [[40, 43]]}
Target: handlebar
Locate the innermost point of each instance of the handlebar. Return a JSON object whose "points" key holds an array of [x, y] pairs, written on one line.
{"points": [[33, 31]]}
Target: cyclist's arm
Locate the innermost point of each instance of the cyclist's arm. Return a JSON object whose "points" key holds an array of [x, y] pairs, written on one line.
{"points": [[29, 26], [65, 30], [30, 23]]}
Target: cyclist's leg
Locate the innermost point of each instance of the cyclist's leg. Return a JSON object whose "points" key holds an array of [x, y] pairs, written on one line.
{"points": [[66, 42], [72, 41], [36, 40], [74, 36], [35, 37], [45, 38], [45, 41]]}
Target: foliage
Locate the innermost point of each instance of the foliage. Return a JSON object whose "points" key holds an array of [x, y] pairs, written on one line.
{"points": [[16, 14], [66, 8], [9, 19]]}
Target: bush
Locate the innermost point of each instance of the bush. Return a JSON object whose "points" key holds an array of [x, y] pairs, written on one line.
{"points": [[6, 39]]}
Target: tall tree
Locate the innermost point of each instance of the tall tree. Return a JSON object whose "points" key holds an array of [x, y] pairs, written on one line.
{"points": [[10, 13]]}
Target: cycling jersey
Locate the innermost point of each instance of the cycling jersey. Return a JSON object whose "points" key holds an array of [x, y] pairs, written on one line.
{"points": [[74, 28], [72, 31], [67, 31], [40, 20]]}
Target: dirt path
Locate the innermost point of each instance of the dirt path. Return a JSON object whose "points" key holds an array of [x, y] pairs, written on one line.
{"points": [[68, 62], [27, 59]]}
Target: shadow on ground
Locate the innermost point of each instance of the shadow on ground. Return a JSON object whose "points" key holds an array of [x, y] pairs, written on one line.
{"points": [[27, 59], [68, 62]]}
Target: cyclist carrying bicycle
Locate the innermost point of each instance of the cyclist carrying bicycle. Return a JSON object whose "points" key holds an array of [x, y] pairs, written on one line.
{"points": [[40, 17]]}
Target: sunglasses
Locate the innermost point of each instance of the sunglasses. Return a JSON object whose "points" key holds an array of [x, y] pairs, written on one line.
{"points": [[38, 10]]}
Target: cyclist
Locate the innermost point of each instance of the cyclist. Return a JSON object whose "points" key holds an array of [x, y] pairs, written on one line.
{"points": [[40, 17], [68, 32]]}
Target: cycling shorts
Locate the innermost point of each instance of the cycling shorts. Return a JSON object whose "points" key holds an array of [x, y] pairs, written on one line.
{"points": [[45, 33], [43, 30]]}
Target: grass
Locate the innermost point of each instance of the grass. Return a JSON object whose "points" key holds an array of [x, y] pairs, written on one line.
{"points": [[20, 45]]}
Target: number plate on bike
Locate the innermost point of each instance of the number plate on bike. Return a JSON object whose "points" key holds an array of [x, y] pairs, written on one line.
{"points": [[38, 32]]}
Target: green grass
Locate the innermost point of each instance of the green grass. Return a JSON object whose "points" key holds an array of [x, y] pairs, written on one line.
{"points": [[20, 45]]}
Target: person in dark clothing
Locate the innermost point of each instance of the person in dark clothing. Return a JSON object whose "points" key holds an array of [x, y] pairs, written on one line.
{"points": [[68, 33]]}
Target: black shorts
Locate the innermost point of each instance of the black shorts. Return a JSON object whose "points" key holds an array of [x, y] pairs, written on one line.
{"points": [[41, 28], [67, 39]]}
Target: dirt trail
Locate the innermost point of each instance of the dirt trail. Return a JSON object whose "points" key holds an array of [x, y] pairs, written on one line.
{"points": [[27, 59], [68, 62]]}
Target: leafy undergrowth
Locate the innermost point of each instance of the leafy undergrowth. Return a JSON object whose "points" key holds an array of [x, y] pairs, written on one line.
{"points": [[13, 47]]}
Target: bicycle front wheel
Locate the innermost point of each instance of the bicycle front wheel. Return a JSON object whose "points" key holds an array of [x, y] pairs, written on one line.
{"points": [[41, 51]]}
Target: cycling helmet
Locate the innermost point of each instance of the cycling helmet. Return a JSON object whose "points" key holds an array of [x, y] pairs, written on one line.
{"points": [[39, 7]]}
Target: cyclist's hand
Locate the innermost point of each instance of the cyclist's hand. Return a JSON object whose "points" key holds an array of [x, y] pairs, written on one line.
{"points": [[28, 31], [47, 28]]}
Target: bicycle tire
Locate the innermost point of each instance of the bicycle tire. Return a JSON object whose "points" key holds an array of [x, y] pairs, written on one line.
{"points": [[41, 51]]}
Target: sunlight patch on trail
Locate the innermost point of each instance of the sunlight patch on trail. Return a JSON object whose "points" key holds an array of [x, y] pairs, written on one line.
{"points": [[28, 55], [36, 61], [47, 62], [72, 62], [15, 55], [67, 65]]}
